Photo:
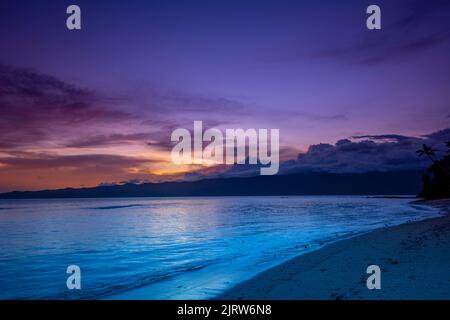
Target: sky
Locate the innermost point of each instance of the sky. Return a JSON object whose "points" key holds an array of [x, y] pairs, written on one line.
{"points": [[98, 105]]}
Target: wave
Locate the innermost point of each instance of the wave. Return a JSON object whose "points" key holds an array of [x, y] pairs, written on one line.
{"points": [[117, 207], [128, 283]]}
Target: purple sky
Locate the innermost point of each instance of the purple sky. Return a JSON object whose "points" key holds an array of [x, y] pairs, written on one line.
{"points": [[138, 69]]}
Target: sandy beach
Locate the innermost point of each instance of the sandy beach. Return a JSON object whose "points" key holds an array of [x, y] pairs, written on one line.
{"points": [[414, 259]]}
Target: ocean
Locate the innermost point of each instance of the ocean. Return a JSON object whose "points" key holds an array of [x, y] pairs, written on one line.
{"points": [[172, 248]]}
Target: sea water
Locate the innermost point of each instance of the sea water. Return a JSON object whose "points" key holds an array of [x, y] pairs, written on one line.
{"points": [[172, 248]]}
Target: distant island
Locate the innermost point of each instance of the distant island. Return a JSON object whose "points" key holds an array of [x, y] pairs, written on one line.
{"points": [[311, 183]]}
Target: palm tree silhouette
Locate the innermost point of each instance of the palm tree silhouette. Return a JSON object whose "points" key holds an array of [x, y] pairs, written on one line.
{"points": [[430, 153], [427, 151]]}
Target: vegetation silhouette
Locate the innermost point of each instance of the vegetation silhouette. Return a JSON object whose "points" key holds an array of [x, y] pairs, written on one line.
{"points": [[436, 180]]}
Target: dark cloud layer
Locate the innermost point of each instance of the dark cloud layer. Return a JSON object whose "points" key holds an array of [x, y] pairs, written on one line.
{"points": [[368, 153], [35, 107], [49, 161], [388, 152], [38, 109], [406, 31], [108, 140]]}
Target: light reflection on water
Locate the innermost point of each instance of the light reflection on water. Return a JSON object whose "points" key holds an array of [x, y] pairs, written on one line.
{"points": [[172, 247]]}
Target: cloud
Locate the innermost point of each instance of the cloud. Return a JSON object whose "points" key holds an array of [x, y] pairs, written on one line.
{"points": [[315, 116], [364, 153], [59, 119], [419, 11], [441, 135], [386, 137], [419, 26], [32, 161], [379, 53], [387, 152], [38, 170], [162, 144], [131, 181], [165, 106], [36, 108], [368, 153], [108, 140], [382, 48]]}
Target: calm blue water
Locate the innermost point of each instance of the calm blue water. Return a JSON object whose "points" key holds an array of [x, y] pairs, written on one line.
{"points": [[154, 248]]}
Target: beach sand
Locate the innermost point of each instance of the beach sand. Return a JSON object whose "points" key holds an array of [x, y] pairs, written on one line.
{"points": [[414, 259]]}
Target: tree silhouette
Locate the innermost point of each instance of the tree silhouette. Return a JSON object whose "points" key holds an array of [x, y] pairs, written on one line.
{"points": [[430, 153], [427, 151], [436, 181]]}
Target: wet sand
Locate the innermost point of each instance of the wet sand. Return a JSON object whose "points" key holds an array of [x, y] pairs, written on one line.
{"points": [[414, 259]]}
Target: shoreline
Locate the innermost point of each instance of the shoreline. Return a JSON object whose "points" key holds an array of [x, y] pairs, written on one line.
{"points": [[414, 259], [173, 290]]}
